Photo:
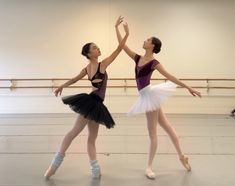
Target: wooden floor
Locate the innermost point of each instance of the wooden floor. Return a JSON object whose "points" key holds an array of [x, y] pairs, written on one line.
{"points": [[28, 143]]}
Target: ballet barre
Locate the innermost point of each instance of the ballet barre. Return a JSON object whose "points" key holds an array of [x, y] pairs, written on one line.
{"points": [[13, 83]]}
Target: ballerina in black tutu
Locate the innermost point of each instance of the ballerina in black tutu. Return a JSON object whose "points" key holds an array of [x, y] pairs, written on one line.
{"points": [[90, 107]]}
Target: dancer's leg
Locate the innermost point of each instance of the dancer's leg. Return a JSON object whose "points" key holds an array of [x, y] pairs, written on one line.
{"points": [[152, 118], [93, 129], [77, 128], [166, 125], [56, 162]]}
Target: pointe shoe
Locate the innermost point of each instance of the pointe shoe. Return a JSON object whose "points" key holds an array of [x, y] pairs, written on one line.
{"points": [[95, 169], [50, 171], [150, 174], [56, 162], [184, 161], [96, 173]]}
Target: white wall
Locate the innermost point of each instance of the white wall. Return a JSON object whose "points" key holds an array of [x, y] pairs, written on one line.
{"points": [[43, 39]]}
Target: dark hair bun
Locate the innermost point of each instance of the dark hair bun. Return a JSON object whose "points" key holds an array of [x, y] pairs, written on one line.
{"points": [[86, 49], [157, 45]]}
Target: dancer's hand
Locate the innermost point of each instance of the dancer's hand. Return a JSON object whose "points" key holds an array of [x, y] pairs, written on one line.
{"points": [[58, 91], [126, 28], [119, 21], [194, 92]]}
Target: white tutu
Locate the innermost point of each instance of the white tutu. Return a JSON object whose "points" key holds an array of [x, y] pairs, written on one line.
{"points": [[151, 97]]}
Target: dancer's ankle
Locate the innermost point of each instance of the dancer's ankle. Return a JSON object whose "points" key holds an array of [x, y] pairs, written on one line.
{"points": [[56, 162], [95, 169], [149, 167]]}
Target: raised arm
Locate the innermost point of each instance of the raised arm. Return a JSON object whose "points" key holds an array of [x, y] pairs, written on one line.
{"points": [[119, 37], [106, 62], [59, 90], [172, 78]]}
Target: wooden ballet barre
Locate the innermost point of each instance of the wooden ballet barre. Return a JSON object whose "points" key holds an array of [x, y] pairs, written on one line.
{"points": [[14, 80], [52, 87], [109, 86], [61, 79]]}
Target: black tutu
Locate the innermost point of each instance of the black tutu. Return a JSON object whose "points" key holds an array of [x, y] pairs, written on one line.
{"points": [[91, 107]]}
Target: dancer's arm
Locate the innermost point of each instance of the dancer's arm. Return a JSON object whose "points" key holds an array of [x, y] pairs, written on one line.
{"points": [[73, 80], [106, 62], [172, 78], [119, 37]]}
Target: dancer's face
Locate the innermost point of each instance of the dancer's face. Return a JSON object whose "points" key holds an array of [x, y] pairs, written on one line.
{"points": [[148, 44], [94, 51]]}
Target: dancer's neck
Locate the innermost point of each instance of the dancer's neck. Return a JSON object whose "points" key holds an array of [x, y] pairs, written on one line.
{"points": [[148, 54]]}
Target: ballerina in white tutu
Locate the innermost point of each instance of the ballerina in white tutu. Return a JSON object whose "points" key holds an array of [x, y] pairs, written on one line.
{"points": [[151, 97]]}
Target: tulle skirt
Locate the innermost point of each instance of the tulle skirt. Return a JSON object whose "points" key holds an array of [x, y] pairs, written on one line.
{"points": [[151, 97], [90, 106]]}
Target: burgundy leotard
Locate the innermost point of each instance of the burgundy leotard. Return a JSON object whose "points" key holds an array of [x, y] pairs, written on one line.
{"points": [[143, 73]]}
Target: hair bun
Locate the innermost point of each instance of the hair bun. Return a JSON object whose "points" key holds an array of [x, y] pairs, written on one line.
{"points": [[86, 49], [157, 45], [156, 50]]}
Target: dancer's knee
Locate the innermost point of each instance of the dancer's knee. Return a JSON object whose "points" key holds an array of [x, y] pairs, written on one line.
{"points": [[73, 133]]}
